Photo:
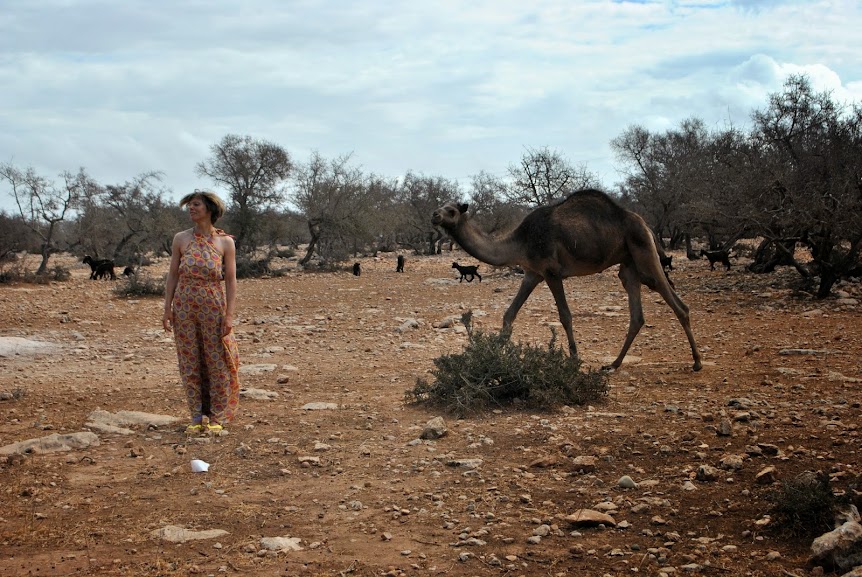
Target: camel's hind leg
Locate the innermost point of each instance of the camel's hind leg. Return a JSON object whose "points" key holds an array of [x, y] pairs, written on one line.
{"points": [[653, 276], [530, 282], [556, 286], [632, 283]]}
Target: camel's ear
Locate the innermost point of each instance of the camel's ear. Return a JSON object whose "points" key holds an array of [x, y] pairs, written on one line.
{"points": [[463, 208]]}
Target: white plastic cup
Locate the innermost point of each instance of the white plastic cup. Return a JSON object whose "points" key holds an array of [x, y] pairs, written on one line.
{"points": [[199, 466]]}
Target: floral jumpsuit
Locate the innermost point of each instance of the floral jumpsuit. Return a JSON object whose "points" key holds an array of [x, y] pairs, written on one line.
{"points": [[208, 363]]}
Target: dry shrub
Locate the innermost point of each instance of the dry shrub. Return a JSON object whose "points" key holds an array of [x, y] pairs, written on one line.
{"points": [[141, 284], [493, 371], [804, 506], [247, 267], [20, 274]]}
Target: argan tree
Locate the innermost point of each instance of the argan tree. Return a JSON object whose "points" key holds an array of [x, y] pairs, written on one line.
{"points": [[121, 221], [418, 196], [255, 173], [665, 173], [44, 205], [331, 194], [544, 175], [811, 150]]}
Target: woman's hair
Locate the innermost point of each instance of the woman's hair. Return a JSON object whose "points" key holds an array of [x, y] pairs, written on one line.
{"points": [[214, 204]]}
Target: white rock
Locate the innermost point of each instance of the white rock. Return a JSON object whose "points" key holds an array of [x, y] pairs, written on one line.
{"points": [[281, 543], [176, 534], [52, 443]]}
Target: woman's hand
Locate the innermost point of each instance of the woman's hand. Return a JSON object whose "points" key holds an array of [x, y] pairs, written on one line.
{"points": [[226, 325], [167, 321]]}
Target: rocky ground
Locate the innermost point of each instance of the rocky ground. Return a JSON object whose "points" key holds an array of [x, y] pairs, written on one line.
{"points": [[324, 472]]}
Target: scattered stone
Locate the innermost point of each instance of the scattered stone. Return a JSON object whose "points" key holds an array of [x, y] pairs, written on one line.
{"points": [[176, 534], [627, 482], [434, 429], [257, 369], [317, 406], [742, 417], [841, 547], [258, 394], [407, 325], [52, 443], [707, 473], [766, 476], [121, 421], [792, 352], [731, 462], [465, 463], [281, 543], [12, 346], [447, 323], [741, 403], [585, 464], [589, 518], [544, 462]]}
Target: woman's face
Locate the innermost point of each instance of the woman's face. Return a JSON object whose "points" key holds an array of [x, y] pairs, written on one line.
{"points": [[198, 209]]}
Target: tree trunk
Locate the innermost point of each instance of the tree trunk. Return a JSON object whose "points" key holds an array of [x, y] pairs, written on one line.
{"points": [[828, 277], [46, 254], [314, 231]]}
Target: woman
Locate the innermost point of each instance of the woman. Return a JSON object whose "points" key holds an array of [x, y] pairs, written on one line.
{"points": [[201, 314]]}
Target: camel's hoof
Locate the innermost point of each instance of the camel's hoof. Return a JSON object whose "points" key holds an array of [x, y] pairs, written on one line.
{"points": [[609, 368], [697, 366]]}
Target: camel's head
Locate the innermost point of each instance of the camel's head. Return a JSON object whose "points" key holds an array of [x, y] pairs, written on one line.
{"points": [[448, 215]]}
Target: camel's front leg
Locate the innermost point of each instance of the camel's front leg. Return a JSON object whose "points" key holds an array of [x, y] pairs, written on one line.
{"points": [[632, 284], [559, 292], [530, 282]]}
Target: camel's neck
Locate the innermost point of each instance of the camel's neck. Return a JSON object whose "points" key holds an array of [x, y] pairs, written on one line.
{"points": [[479, 244]]}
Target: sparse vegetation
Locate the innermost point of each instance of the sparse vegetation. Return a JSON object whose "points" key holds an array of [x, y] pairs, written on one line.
{"points": [[247, 267], [20, 274], [804, 506], [494, 371], [141, 284]]}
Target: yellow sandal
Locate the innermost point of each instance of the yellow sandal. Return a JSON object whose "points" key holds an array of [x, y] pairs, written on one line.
{"points": [[215, 428], [194, 428]]}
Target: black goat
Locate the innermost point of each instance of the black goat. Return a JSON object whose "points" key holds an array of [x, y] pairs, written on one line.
{"points": [[356, 269], [715, 256], [128, 271], [400, 265], [666, 261], [100, 268], [467, 271], [106, 270]]}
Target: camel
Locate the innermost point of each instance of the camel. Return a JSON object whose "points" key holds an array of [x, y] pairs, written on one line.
{"points": [[583, 234]]}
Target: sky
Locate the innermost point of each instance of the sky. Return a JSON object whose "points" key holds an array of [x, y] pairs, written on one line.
{"points": [[438, 87]]}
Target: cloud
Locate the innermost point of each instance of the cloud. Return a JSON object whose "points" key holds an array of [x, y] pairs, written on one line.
{"points": [[441, 87]]}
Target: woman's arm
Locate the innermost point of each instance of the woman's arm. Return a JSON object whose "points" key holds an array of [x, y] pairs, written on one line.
{"points": [[229, 260], [171, 282]]}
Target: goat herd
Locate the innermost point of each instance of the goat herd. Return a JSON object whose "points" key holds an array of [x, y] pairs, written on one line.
{"points": [[104, 268]]}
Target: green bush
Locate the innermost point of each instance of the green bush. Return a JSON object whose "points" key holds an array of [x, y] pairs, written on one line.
{"points": [[804, 506], [493, 371], [141, 284]]}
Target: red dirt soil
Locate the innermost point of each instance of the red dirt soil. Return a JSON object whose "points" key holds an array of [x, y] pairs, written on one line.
{"points": [[378, 502]]}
